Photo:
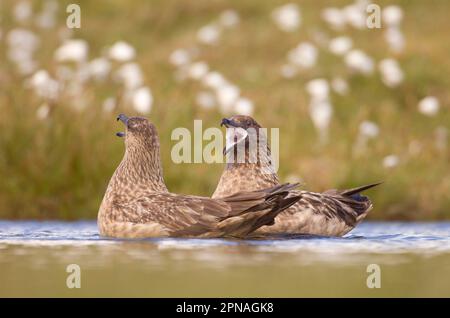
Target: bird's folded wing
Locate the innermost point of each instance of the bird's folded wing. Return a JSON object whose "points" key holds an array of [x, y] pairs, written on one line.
{"points": [[331, 205], [176, 212], [189, 215]]}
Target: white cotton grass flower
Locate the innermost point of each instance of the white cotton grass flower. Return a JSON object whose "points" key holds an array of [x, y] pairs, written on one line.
{"points": [[22, 39], [244, 106], [391, 161], [109, 105], [340, 86], [392, 15], [46, 19], [287, 17], [369, 129], [340, 45], [22, 44], [288, 70], [359, 62], [429, 106], [318, 89], [320, 108], [72, 51], [355, 15], [214, 80], [391, 73], [130, 75], [206, 100], [43, 85], [121, 51], [395, 39], [18, 55], [208, 34], [99, 68], [226, 97], [22, 11], [43, 111], [229, 18], [321, 112], [304, 55], [334, 17], [197, 70], [142, 100], [180, 57]]}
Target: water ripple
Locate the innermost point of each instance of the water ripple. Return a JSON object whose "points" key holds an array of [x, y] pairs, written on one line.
{"points": [[369, 237]]}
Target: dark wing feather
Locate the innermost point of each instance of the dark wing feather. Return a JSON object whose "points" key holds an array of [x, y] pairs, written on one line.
{"points": [[185, 215], [344, 205]]}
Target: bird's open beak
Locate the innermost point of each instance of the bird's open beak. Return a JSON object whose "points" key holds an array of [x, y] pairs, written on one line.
{"points": [[124, 119], [228, 123]]}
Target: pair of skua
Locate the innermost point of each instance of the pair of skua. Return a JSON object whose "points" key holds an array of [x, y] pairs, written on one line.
{"points": [[249, 200]]}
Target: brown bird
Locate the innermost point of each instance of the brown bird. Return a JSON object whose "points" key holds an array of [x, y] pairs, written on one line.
{"points": [[331, 213], [137, 203]]}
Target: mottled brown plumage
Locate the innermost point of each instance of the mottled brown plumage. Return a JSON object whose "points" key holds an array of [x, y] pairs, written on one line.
{"points": [[331, 213], [137, 203]]}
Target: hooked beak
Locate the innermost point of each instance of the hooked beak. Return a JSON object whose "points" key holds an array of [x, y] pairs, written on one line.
{"points": [[124, 119], [228, 123]]}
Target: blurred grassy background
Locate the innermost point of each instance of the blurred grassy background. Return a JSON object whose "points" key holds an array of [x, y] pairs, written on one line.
{"points": [[59, 167]]}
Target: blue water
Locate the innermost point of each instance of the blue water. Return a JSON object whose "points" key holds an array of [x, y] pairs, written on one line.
{"points": [[414, 259], [368, 237]]}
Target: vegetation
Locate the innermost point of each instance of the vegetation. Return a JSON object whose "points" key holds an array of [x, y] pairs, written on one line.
{"points": [[58, 167]]}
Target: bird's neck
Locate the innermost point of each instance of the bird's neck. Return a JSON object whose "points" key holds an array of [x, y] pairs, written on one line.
{"points": [[247, 176], [140, 170]]}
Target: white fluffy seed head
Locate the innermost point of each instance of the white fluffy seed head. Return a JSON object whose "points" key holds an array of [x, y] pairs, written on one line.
{"points": [[340, 45], [360, 62], [142, 100], [429, 106], [392, 15], [244, 106], [287, 17], [122, 52], [369, 129]]}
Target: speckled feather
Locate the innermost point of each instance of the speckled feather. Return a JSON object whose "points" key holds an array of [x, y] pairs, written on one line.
{"points": [[138, 204], [331, 213]]}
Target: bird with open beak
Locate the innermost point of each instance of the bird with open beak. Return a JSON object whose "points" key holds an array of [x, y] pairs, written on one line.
{"points": [[331, 213], [137, 203]]}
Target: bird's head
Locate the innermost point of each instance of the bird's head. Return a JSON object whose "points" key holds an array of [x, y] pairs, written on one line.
{"points": [[240, 121], [243, 132], [139, 132]]}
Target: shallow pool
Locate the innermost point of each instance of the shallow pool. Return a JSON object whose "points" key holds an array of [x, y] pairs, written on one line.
{"points": [[413, 260]]}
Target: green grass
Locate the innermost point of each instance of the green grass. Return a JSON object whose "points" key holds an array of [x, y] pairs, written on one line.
{"points": [[59, 167]]}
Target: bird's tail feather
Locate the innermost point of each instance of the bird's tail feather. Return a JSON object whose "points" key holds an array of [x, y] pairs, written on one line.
{"points": [[357, 190], [267, 205]]}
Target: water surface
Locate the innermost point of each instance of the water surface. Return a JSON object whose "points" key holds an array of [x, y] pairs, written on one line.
{"points": [[414, 259]]}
